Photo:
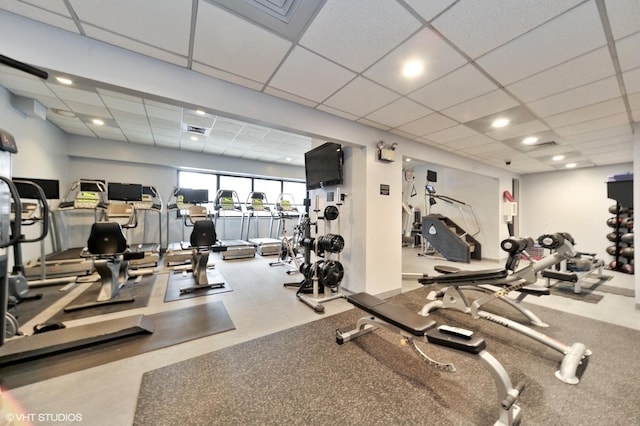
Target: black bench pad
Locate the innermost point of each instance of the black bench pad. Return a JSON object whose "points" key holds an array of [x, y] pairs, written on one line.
{"points": [[399, 316], [465, 276], [475, 345]]}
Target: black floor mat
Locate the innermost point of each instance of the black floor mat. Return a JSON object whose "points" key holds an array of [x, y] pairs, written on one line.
{"points": [[171, 328], [178, 280]]}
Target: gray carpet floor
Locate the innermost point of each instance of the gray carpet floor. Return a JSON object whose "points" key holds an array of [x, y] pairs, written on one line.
{"points": [[300, 376]]}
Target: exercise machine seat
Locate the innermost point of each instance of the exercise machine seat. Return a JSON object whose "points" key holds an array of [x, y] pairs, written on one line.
{"points": [[106, 239], [203, 234]]}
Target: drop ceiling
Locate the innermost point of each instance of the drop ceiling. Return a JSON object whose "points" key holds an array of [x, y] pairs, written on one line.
{"points": [[564, 71]]}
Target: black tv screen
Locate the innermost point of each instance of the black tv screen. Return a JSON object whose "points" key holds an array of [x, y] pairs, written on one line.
{"points": [[124, 191], [50, 187], [92, 185], [323, 166], [194, 196]]}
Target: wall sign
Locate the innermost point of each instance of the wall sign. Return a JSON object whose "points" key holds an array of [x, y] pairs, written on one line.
{"points": [[384, 189]]}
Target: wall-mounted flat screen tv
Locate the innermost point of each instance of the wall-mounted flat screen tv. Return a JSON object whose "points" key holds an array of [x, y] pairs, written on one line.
{"points": [[50, 187], [124, 191], [194, 196], [324, 166]]}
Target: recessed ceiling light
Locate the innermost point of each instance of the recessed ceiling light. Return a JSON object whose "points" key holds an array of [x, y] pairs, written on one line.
{"points": [[97, 122], [530, 140], [200, 112], [557, 157], [570, 165], [194, 138], [64, 80], [500, 122], [288, 158], [412, 68], [408, 160]]}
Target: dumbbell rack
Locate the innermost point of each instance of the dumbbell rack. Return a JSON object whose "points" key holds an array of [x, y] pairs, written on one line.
{"points": [[620, 189]]}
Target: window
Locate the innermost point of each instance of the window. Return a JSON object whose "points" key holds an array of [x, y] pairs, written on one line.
{"points": [[194, 180], [298, 190], [271, 188], [243, 186]]}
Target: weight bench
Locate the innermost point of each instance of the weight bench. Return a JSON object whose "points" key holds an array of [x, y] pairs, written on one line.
{"points": [[409, 325], [521, 280]]}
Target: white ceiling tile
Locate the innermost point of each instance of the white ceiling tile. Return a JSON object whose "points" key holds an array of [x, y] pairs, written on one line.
{"points": [[398, 112], [124, 105], [470, 142], [585, 69], [160, 112], [437, 57], [628, 52], [310, 76], [452, 133], [619, 131], [624, 17], [613, 157], [577, 98], [227, 125], [86, 109], [72, 94], [165, 131], [57, 6], [403, 134], [289, 97], [632, 79], [23, 83], [603, 145], [480, 26], [159, 24], [39, 14], [429, 9], [373, 124], [524, 129], [481, 106], [226, 76], [126, 116], [429, 124], [226, 42], [360, 97], [337, 112], [568, 36], [593, 125], [358, 33], [635, 114], [601, 109], [462, 84], [134, 126]]}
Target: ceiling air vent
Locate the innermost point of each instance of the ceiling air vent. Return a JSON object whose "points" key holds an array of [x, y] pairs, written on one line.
{"points": [[197, 130], [545, 144]]}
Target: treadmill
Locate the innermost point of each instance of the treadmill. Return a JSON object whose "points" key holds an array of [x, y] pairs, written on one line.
{"points": [[227, 203], [126, 201], [189, 204], [256, 207], [83, 196]]}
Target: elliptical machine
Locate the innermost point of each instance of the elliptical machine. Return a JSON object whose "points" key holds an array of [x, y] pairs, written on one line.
{"points": [[30, 214]]}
